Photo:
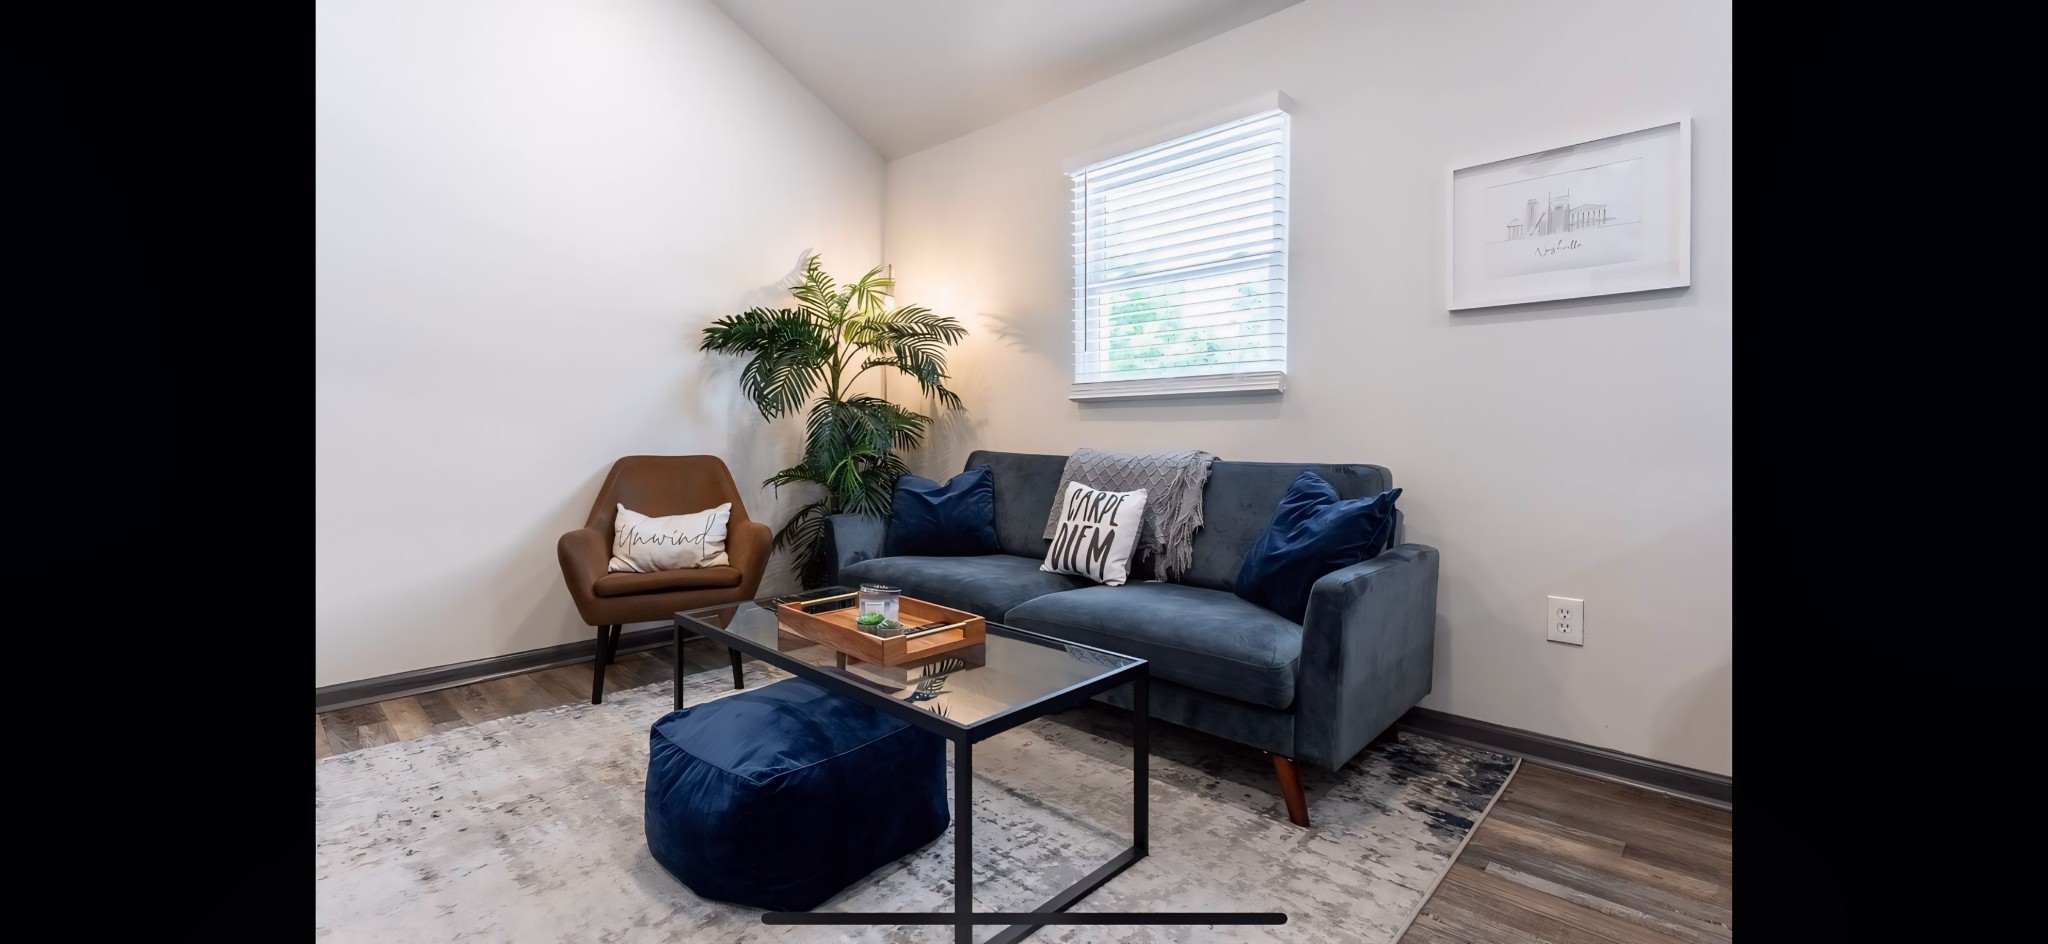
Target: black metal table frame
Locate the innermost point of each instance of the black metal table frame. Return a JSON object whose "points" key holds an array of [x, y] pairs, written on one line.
{"points": [[1137, 675]]}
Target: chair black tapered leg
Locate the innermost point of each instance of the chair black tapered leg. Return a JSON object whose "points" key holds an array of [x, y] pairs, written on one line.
{"points": [[739, 678], [675, 653], [607, 638]]}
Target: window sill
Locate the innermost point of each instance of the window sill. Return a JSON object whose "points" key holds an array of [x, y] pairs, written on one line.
{"points": [[1210, 385]]}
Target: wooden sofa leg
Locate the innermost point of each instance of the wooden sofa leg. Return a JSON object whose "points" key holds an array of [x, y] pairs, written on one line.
{"points": [[1290, 790]]}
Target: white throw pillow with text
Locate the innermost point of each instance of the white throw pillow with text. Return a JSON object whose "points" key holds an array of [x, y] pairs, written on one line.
{"points": [[643, 545], [1096, 533]]}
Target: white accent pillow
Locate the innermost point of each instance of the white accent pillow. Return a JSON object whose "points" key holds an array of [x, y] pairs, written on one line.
{"points": [[643, 545], [1096, 533]]}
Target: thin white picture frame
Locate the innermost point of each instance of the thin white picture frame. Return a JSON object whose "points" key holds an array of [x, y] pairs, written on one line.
{"points": [[1468, 282]]}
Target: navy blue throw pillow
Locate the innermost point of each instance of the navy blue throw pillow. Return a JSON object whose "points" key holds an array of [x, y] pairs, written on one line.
{"points": [[956, 519], [1313, 533]]}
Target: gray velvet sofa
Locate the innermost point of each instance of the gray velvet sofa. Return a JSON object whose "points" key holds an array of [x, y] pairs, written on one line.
{"points": [[1317, 692]]}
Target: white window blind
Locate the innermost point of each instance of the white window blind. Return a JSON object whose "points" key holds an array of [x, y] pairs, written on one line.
{"points": [[1180, 265]]}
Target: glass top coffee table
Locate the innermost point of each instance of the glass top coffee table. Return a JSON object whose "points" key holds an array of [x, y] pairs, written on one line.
{"points": [[980, 691]]}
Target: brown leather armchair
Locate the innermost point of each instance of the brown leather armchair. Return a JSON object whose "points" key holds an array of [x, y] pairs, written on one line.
{"points": [[658, 486]]}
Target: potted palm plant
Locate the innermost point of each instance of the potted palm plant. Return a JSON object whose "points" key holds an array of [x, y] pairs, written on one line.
{"points": [[835, 334]]}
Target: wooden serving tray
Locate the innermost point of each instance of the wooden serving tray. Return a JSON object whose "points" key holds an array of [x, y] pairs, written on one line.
{"points": [[836, 628]]}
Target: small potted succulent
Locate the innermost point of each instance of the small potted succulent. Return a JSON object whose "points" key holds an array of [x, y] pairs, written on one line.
{"points": [[876, 624]]}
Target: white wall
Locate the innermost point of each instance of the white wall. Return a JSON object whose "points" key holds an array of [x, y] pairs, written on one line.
{"points": [[1576, 448], [525, 212]]}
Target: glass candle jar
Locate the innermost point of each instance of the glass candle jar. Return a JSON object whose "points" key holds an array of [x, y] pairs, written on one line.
{"points": [[879, 598]]}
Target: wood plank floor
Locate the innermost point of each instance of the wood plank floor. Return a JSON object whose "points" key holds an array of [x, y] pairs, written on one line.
{"points": [[1562, 858], [1565, 858], [402, 719]]}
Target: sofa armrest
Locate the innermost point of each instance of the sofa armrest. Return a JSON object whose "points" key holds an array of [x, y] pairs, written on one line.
{"points": [[850, 539], [1367, 651]]}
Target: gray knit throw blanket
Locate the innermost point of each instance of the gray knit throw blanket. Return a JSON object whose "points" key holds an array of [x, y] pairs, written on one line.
{"points": [[1173, 483]]}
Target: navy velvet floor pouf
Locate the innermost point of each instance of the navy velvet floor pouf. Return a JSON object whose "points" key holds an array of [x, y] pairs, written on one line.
{"points": [[780, 797]]}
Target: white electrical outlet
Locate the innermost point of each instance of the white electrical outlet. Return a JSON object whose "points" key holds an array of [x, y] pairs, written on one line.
{"points": [[1567, 621]]}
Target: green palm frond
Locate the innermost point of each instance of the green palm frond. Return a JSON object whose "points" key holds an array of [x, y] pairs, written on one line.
{"points": [[913, 339], [802, 528], [875, 491], [790, 356], [852, 442], [803, 536], [884, 424], [835, 428], [796, 474], [845, 476], [864, 297], [910, 320], [817, 293]]}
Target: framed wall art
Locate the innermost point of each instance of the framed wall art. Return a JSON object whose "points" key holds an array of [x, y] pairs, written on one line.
{"points": [[1607, 216]]}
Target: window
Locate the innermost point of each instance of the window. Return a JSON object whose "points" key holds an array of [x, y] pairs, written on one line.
{"points": [[1180, 265]]}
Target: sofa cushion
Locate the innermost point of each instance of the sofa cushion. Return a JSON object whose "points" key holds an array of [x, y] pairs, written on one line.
{"points": [[1026, 486], [988, 585], [1238, 504], [956, 519], [1201, 638], [694, 578]]}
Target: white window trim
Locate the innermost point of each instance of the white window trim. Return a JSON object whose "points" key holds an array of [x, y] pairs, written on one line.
{"points": [[1197, 385], [1201, 385]]}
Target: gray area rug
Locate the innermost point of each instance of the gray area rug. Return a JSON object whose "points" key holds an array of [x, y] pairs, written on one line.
{"points": [[528, 829]]}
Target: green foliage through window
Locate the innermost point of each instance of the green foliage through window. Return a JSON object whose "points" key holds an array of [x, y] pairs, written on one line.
{"points": [[1145, 330]]}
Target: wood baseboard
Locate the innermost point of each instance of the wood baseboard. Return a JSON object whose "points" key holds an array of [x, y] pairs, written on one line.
{"points": [[1699, 785], [398, 685]]}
